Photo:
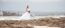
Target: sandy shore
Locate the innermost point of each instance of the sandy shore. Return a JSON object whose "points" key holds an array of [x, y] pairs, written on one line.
{"points": [[50, 22]]}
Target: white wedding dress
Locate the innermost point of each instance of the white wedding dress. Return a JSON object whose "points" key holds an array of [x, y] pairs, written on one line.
{"points": [[26, 15]]}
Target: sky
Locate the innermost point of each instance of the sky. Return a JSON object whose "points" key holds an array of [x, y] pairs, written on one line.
{"points": [[35, 5]]}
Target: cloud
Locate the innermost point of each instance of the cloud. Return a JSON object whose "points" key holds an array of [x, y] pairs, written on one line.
{"points": [[45, 1], [11, 0], [38, 1]]}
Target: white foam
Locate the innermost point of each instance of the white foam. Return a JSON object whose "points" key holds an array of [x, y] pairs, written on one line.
{"points": [[45, 27]]}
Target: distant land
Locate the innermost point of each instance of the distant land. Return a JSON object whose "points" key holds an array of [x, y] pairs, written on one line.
{"points": [[16, 13]]}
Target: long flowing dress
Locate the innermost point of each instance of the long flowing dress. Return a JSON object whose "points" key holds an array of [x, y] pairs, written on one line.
{"points": [[25, 16]]}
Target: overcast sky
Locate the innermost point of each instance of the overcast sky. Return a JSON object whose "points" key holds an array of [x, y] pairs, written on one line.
{"points": [[35, 5]]}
